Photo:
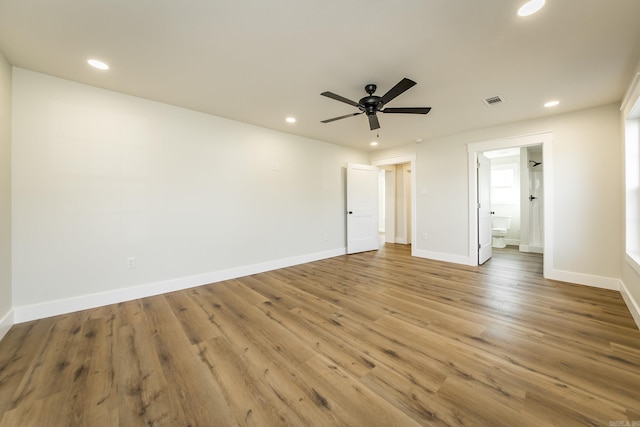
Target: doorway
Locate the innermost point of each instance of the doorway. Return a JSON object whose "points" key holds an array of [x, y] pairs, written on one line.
{"points": [[395, 203], [516, 177], [545, 209], [399, 208]]}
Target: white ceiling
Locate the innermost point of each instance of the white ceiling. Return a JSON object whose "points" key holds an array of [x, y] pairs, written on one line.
{"points": [[260, 61]]}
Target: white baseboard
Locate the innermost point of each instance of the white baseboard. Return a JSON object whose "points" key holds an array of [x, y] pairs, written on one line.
{"points": [[530, 248], [585, 279], [69, 305], [603, 283], [6, 323], [440, 256], [84, 302], [632, 304]]}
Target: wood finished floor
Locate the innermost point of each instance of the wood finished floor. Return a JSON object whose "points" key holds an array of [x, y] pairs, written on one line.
{"points": [[373, 339]]}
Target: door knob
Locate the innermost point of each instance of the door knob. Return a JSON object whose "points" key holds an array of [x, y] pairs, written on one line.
{"points": [[531, 198], [350, 212]]}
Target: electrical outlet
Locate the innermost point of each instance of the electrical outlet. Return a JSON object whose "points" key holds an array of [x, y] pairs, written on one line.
{"points": [[424, 236], [131, 262]]}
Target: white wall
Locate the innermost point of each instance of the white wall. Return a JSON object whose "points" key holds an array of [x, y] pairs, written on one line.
{"points": [[99, 177], [587, 197], [5, 196]]}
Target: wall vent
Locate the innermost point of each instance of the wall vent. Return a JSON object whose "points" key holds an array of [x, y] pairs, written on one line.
{"points": [[493, 100]]}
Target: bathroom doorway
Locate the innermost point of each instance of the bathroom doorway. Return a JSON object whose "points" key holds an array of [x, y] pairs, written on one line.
{"points": [[517, 198], [530, 230]]}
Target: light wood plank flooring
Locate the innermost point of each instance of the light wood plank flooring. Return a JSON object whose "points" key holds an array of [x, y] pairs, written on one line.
{"points": [[373, 339]]}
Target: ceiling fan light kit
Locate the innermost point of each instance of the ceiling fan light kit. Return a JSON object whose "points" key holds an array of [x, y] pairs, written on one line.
{"points": [[373, 104]]}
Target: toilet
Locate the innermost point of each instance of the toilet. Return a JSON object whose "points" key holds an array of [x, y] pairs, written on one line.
{"points": [[500, 226]]}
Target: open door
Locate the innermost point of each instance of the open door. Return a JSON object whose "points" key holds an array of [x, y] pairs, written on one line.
{"points": [[484, 209], [362, 208]]}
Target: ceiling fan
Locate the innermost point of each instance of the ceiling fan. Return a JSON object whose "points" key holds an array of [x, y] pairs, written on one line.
{"points": [[372, 104]]}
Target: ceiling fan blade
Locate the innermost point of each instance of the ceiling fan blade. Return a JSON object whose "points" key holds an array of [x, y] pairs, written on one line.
{"points": [[398, 89], [408, 110], [373, 122], [340, 98], [341, 117]]}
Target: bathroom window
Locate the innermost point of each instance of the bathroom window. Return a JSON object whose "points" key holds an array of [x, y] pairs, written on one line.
{"points": [[505, 184]]}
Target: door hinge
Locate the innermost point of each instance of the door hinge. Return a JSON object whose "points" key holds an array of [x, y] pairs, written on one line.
{"points": [[479, 205], [479, 246]]}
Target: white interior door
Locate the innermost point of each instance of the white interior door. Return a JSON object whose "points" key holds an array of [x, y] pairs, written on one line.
{"points": [[362, 208], [484, 209]]}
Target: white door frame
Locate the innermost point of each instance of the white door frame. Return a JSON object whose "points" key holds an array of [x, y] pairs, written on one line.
{"points": [[544, 138], [398, 160]]}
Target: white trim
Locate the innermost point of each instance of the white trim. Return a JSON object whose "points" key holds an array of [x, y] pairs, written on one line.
{"points": [[397, 160], [531, 248], [6, 323], [630, 98], [544, 138], [84, 302], [441, 256], [632, 304], [632, 260], [510, 142], [585, 279]]}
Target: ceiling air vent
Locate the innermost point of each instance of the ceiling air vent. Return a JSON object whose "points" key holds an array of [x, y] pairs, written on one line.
{"points": [[493, 100]]}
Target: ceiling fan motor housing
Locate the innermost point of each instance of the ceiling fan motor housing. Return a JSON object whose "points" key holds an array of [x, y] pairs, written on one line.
{"points": [[371, 104]]}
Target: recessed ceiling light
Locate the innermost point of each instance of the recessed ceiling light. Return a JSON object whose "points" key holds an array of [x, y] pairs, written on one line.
{"points": [[291, 119], [551, 104], [374, 143], [98, 64], [530, 7], [418, 141]]}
